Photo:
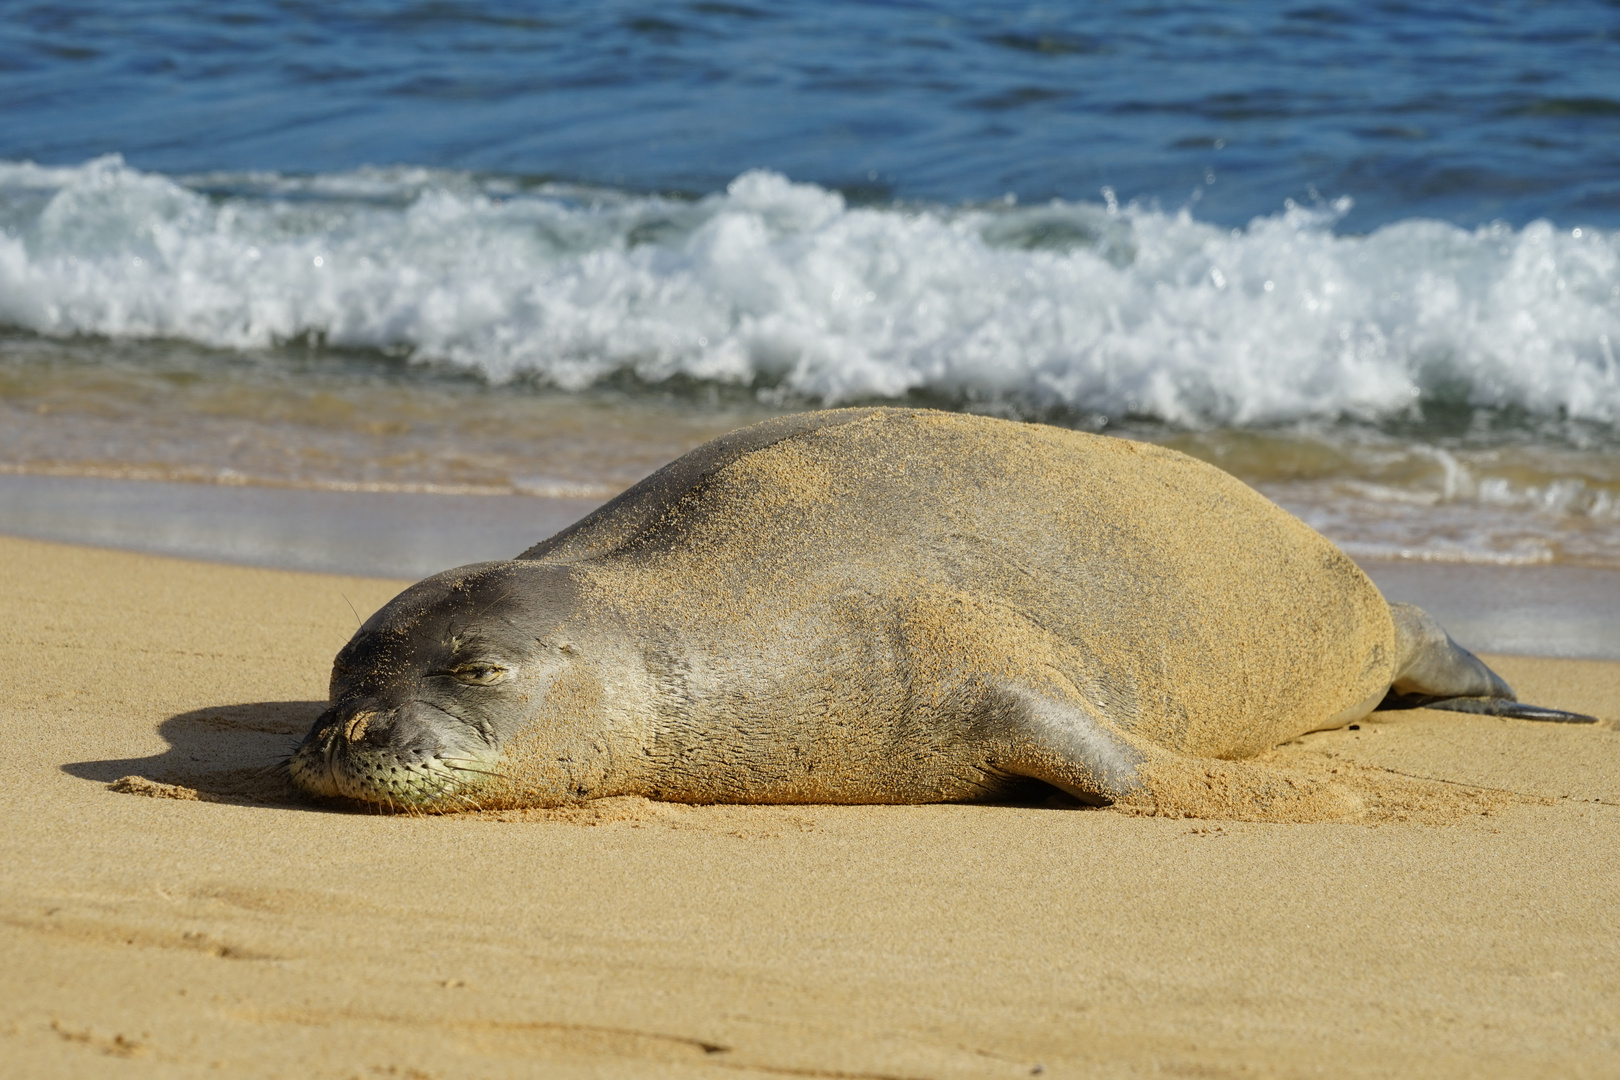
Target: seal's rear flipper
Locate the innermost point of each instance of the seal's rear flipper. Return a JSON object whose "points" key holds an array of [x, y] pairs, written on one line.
{"points": [[1486, 706], [1429, 664], [1434, 672]]}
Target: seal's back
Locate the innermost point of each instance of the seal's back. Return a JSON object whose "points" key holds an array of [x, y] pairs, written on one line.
{"points": [[1181, 604]]}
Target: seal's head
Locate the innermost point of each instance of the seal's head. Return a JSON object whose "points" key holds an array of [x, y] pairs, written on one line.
{"points": [[428, 690]]}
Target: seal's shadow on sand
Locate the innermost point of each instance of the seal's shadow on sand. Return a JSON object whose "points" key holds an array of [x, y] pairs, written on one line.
{"points": [[224, 753]]}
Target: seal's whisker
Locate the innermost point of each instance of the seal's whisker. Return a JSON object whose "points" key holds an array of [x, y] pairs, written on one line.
{"points": [[491, 604], [445, 788], [478, 772], [453, 763], [437, 785], [467, 803], [452, 789], [358, 621], [275, 768]]}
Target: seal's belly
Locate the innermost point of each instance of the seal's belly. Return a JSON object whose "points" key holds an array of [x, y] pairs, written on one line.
{"points": [[736, 772]]}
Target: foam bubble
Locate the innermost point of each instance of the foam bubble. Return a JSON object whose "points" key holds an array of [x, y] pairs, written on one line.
{"points": [[1100, 308]]}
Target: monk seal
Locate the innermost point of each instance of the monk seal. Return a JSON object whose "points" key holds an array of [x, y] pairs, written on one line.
{"points": [[877, 606]]}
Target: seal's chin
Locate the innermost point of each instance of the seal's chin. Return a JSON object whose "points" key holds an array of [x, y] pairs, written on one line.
{"points": [[397, 759]]}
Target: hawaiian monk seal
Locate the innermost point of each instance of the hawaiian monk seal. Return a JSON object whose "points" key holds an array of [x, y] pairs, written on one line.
{"points": [[877, 606]]}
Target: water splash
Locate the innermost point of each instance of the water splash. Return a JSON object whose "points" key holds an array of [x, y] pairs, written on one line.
{"points": [[1092, 308]]}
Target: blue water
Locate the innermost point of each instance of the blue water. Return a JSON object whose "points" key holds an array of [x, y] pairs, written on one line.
{"points": [[1367, 256], [1466, 113]]}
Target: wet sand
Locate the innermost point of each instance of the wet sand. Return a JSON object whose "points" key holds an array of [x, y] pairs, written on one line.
{"points": [[368, 533], [177, 936], [1547, 610]]}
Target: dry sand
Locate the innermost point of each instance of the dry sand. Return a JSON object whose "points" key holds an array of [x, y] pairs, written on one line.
{"points": [[1465, 925]]}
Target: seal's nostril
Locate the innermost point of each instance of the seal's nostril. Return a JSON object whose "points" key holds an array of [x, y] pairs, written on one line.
{"points": [[355, 729]]}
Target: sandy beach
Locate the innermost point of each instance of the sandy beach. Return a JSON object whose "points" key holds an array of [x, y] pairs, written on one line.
{"points": [[1462, 924], [302, 303]]}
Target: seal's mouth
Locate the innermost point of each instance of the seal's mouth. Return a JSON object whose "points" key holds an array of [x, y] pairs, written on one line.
{"points": [[394, 759]]}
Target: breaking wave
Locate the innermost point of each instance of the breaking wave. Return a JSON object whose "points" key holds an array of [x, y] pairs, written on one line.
{"points": [[1092, 307]]}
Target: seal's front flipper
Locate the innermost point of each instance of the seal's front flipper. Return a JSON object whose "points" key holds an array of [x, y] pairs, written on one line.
{"points": [[1434, 672], [1061, 742], [1055, 741], [1486, 706]]}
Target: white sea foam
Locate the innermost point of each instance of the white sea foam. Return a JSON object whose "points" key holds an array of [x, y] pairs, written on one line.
{"points": [[1095, 307]]}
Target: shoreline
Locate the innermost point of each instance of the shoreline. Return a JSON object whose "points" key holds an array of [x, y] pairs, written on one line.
{"points": [[381, 534], [1549, 610]]}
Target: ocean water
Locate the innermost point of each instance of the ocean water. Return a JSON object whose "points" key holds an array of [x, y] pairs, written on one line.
{"points": [[1366, 257]]}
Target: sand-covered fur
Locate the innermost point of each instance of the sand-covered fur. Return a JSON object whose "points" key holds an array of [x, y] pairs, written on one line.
{"points": [[873, 605]]}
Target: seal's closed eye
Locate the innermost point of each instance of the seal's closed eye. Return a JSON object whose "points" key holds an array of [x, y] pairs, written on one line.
{"points": [[478, 674]]}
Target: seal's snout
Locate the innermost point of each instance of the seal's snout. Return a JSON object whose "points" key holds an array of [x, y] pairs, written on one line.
{"points": [[368, 724], [395, 757]]}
